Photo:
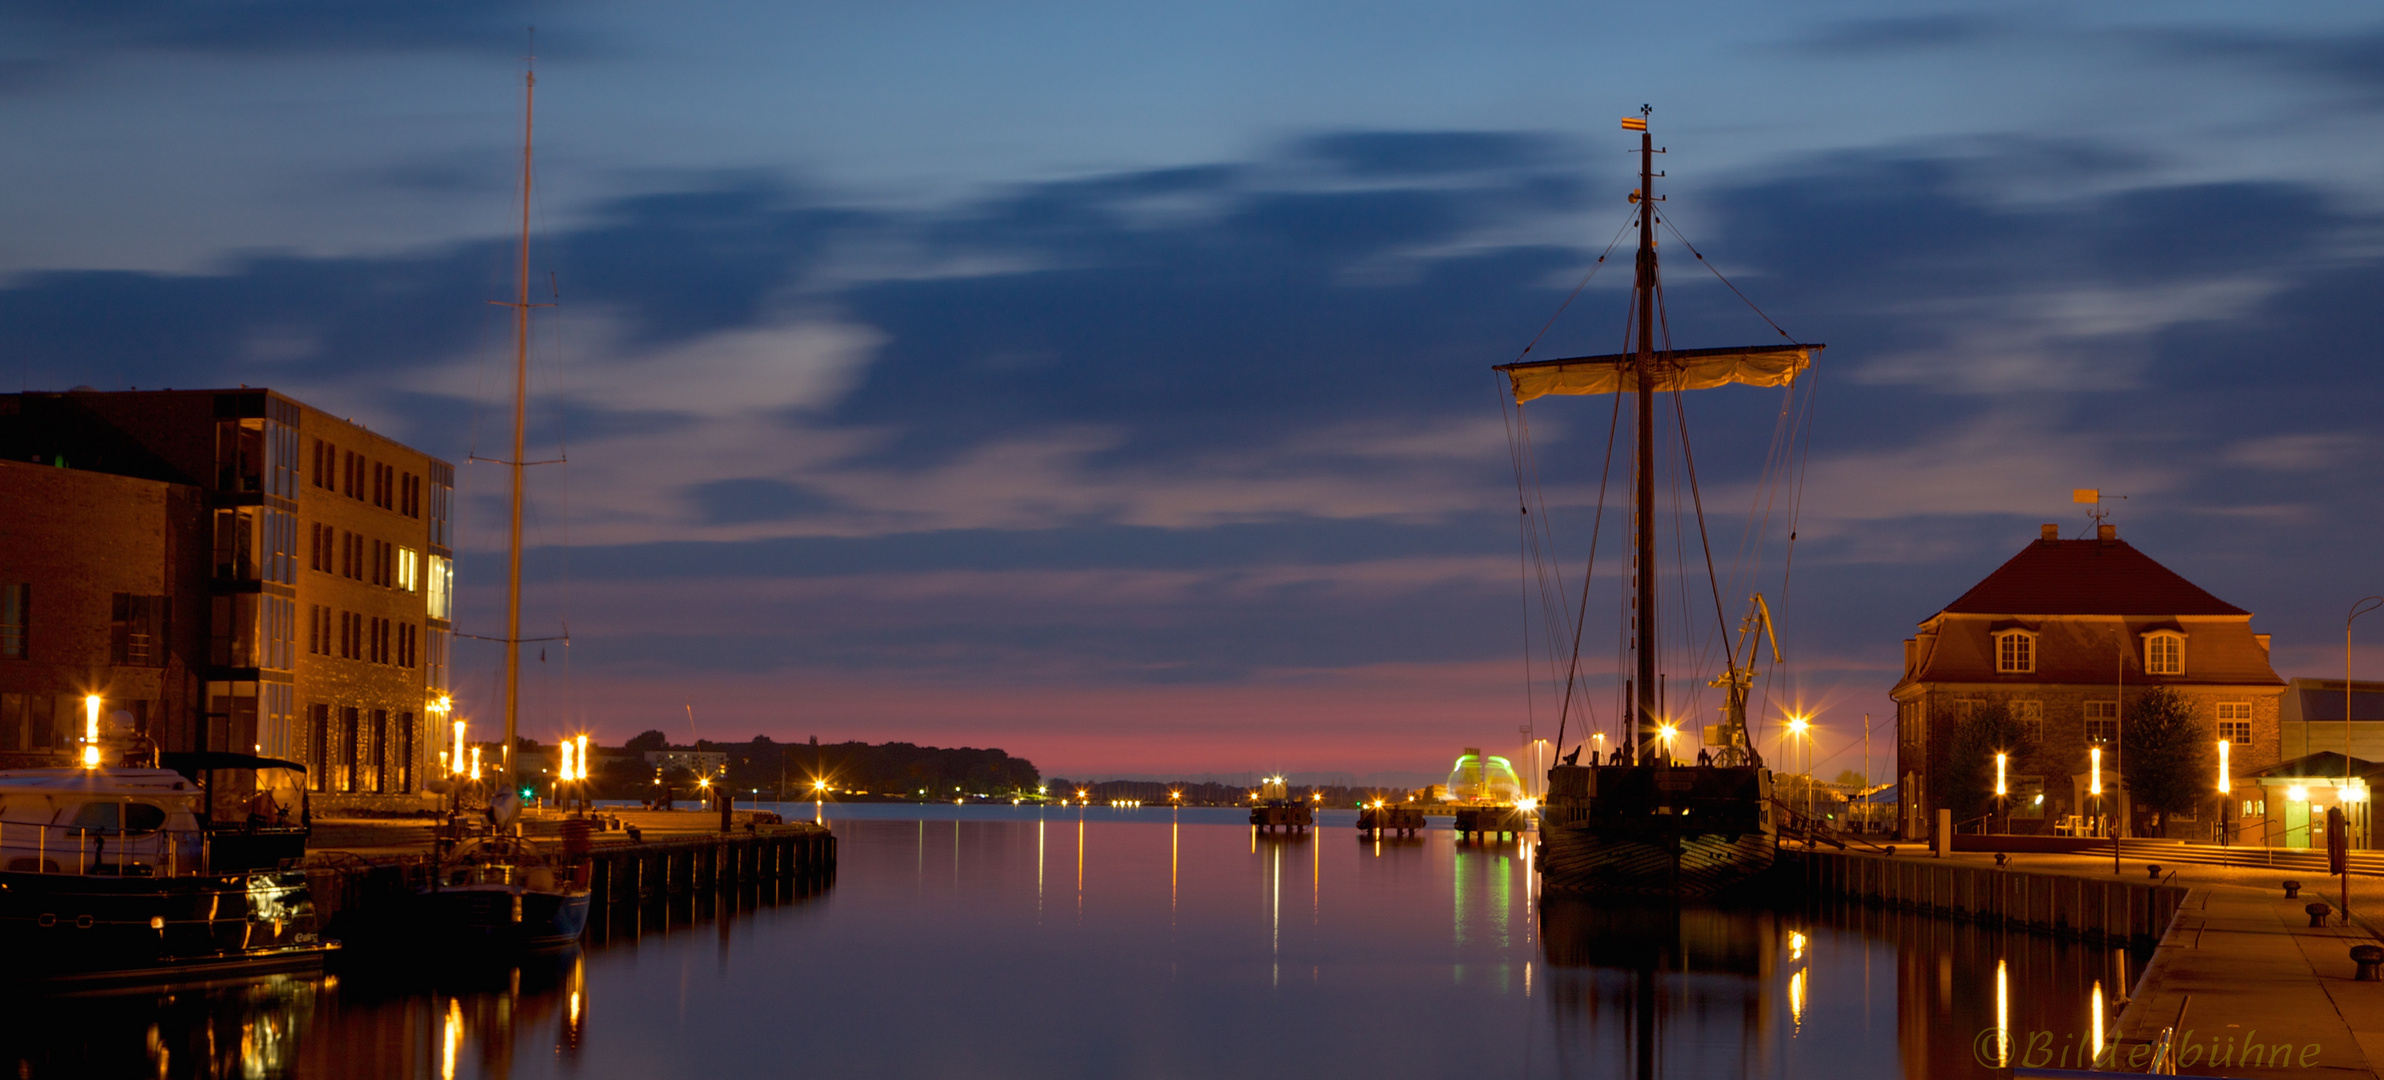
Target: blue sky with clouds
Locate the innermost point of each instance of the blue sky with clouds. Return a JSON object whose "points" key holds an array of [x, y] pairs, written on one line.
{"points": [[1107, 382]]}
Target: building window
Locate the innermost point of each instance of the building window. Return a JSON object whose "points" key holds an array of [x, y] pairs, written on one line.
{"points": [[409, 569], [441, 580], [2102, 721], [318, 746], [2015, 652], [2235, 721], [2164, 653], [137, 630], [16, 601], [2031, 715]]}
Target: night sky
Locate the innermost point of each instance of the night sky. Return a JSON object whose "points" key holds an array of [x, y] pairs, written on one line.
{"points": [[1108, 382]]}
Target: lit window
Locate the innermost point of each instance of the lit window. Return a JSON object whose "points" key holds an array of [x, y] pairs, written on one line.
{"points": [[441, 586], [2164, 653], [409, 575], [2235, 721], [2015, 652]]}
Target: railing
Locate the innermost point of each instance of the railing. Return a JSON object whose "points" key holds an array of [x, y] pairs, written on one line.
{"points": [[88, 847]]}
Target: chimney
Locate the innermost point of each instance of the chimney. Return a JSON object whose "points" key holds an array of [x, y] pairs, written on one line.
{"points": [[2049, 531], [2106, 533]]}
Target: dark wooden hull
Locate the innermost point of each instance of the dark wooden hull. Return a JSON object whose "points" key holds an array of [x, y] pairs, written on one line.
{"points": [[1582, 859], [90, 928], [1675, 830]]}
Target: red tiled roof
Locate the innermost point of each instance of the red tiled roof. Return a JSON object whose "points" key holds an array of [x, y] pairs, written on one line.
{"points": [[2087, 577]]}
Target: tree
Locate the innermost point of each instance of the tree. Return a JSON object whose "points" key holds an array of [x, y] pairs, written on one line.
{"points": [[646, 740], [1852, 778], [2165, 754], [1970, 762]]}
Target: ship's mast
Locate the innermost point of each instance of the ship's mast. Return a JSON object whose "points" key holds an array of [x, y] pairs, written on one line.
{"points": [[1644, 730], [521, 412]]}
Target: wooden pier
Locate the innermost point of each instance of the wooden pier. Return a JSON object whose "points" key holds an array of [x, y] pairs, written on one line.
{"points": [[369, 869]]}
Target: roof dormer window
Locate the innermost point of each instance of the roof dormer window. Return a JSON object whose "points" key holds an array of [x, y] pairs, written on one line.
{"points": [[2015, 652], [2164, 653]]}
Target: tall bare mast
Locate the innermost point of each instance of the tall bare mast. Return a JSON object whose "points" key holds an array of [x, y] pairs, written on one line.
{"points": [[521, 413], [1643, 603]]}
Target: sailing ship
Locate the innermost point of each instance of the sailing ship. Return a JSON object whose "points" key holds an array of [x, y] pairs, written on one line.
{"points": [[502, 894], [123, 873], [1637, 819]]}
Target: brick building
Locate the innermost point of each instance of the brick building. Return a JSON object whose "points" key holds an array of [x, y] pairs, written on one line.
{"points": [[2056, 634], [225, 570]]}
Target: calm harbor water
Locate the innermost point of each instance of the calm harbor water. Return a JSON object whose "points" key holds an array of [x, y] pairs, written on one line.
{"points": [[1056, 944]]}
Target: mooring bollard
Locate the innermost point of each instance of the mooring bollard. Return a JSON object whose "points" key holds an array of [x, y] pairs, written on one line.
{"points": [[2318, 912], [2370, 959], [2000, 859], [2152, 871], [2292, 890]]}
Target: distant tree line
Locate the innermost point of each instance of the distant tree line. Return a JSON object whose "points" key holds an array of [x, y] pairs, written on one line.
{"points": [[1155, 792], [776, 769]]}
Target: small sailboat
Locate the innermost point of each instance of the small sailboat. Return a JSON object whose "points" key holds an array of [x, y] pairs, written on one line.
{"points": [[1638, 819], [502, 893]]}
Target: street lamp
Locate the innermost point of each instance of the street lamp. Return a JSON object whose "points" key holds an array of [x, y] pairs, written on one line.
{"points": [[2001, 790], [2094, 786]]}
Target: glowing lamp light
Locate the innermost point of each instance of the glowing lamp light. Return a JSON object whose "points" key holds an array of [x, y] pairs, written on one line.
{"points": [[459, 750], [1999, 785], [2297, 793], [2353, 792], [1526, 805], [91, 731], [1798, 725], [2224, 785], [2095, 785], [1666, 733], [579, 759], [819, 785]]}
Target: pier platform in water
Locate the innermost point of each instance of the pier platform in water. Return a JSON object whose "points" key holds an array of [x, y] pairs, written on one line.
{"points": [[2235, 961], [359, 869]]}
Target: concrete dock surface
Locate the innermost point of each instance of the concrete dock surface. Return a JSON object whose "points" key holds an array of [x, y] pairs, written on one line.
{"points": [[2241, 965]]}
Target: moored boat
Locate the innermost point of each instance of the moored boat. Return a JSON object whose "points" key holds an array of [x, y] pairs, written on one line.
{"points": [[1638, 819], [115, 874]]}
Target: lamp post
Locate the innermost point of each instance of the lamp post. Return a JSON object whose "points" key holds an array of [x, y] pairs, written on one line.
{"points": [[1800, 727], [2226, 786], [2094, 783], [2001, 791]]}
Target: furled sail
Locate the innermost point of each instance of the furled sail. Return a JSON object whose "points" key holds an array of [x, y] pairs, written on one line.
{"points": [[1679, 369]]}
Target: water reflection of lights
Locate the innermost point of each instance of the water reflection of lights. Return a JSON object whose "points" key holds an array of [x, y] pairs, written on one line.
{"points": [[2002, 1014], [1796, 998], [451, 1039], [2096, 1020], [1796, 946]]}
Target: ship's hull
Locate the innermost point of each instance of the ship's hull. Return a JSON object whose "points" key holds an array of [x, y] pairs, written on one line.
{"points": [[87, 928], [508, 919], [1675, 830], [1581, 859]]}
